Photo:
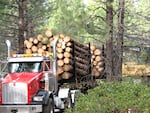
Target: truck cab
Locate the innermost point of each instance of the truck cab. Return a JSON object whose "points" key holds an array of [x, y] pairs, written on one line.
{"points": [[29, 85]]}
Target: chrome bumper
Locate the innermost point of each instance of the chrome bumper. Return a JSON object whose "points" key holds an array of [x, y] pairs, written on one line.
{"points": [[20, 108]]}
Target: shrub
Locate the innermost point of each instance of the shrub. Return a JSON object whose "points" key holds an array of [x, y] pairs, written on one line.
{"points": [[114, 97]]}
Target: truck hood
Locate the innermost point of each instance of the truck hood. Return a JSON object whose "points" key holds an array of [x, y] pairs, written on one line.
{"points": [[25, 77]]}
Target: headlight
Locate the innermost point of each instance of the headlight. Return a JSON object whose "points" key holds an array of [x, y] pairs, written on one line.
{"points": [[38, 98]]}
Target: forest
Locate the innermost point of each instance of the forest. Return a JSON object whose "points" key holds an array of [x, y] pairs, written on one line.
{"points": [[121, 26]]}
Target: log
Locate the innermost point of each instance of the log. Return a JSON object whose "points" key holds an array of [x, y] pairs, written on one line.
{"points": [[68, 44], [60, 63], [39, 45], [29, 44], [92, 47], [68, 49], [60, 55], [59, 49], [82, 50], [100, 69], [98, 58], [35, 41], [78, 54], [60, 40], [101, 64], [67, 55], [39, 37], [67, 39], [48, 33], [34, 49], [81, 72], [44, 47], [66, 75], [67, 61], [82, 66], [94, 63], [97, 52], [61, 36], [31, 39], [60, 70], [28, 51], [25, 42], [45, 40], [81, 60], [93, 56], [67, 67], [40, 50], [59, 44], [81, 45], [51, 39], [95, 72], [55, 37]]}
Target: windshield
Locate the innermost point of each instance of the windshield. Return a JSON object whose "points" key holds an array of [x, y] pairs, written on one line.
{"points": [[24, 67]]}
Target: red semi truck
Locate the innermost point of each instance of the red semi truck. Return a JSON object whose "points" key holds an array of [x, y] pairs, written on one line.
{"points": [[31, 85]]}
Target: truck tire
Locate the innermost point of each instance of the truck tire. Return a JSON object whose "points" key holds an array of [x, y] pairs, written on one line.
{"points": [[69, 102], [49, 108]]}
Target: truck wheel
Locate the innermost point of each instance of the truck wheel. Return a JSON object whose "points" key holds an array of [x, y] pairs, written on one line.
{"points": [[69, 101], [49, 108]]}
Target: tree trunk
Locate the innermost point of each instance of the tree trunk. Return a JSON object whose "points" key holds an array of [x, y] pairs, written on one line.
{"points": [[21, 24], [109, 45], [119, 47]]}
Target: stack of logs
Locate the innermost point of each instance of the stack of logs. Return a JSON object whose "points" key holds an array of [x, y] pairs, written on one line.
{"points": [[72, 57], [97, 61]]}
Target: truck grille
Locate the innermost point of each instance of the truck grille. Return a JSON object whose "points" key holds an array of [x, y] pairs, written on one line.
{"points": [[14, 93]]}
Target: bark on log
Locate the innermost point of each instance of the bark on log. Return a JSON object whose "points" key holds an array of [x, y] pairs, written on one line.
{"points": [[81, 45], [82, 50], [81, 72], [81, 60], [78, 54], [82, 66]]}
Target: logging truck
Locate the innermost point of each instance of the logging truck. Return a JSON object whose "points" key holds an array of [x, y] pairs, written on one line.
{"points": [[32, 85]]}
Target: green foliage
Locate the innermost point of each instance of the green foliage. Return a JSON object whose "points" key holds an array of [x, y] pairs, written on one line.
{"points": [[68, 17], [113, 97]]}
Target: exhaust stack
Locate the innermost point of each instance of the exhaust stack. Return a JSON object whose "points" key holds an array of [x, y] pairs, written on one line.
{"points": [[8, 43]]}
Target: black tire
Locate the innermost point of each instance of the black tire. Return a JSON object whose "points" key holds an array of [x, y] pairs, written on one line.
{"points": [[49, 108], [69, 102]]}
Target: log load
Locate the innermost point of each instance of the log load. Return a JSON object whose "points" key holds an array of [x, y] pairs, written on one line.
{"points": [[97, 61], [71, 55]]}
